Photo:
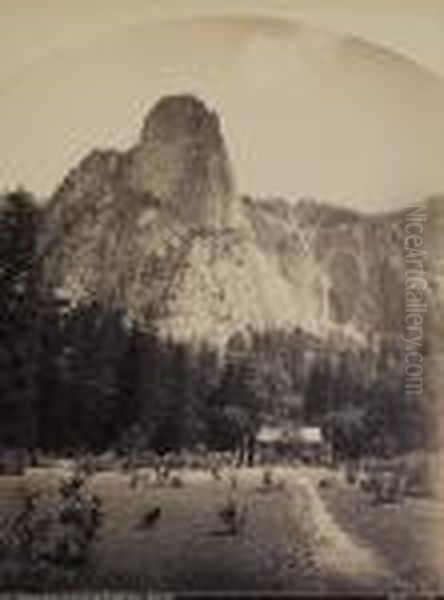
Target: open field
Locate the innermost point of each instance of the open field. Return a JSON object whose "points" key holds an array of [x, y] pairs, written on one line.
{"points": [[294, 537], [401, 532]]}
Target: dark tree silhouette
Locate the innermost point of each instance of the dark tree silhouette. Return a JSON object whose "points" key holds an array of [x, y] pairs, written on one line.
{"points": [[19, 219]]}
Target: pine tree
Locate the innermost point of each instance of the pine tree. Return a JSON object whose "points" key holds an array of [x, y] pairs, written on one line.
{"points": [[19, 218], [318, 393]]}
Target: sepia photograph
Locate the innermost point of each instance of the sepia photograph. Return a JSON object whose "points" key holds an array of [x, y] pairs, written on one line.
{"points": [[222, 298]]}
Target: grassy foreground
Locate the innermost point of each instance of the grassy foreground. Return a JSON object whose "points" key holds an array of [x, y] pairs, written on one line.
{"points": [[296, 536]]}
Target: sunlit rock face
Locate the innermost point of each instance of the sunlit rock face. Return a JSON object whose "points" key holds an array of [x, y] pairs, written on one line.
{"points": [[161, 232]]}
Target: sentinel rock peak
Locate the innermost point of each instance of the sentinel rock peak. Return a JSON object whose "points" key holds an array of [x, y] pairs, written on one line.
{"points": [[161, 233], [182, 160]]}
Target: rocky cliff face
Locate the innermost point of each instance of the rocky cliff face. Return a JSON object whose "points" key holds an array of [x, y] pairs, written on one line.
{"points": [[356, 262], [162, 232], [181, 159]]}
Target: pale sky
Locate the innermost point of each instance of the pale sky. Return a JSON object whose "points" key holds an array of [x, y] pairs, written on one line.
{"points": [[306, 110]]}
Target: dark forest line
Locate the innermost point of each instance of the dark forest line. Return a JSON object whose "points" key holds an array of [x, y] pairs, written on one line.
{"points": [[80, 377]]}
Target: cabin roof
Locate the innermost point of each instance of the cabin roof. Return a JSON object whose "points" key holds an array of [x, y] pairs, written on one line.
{"points": [[310, 435]]}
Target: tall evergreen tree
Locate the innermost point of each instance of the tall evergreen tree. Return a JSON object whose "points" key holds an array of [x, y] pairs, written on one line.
{"points": [[19, 219], [318, 393]]}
